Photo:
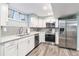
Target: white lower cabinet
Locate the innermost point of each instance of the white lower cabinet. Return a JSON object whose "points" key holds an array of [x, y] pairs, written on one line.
{"points": [[22, 47], [31, 43], [19, 47], [42, 37], [10, 48], [25, 45], [2, 50]]}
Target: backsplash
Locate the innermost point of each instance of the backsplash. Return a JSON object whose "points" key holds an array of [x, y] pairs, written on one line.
{"points": [[39, 29], [11, 30]]}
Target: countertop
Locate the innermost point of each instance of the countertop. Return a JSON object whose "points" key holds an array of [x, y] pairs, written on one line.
{"points": [[16, 37]]}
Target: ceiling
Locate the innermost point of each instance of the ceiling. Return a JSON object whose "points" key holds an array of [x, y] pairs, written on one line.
{"points": [[64, 9], [46, 9], [40, 9]]}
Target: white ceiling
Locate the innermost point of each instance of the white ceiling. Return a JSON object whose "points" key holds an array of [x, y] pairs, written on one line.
{"points": [[56, 9], [36, 8], [63, 9]]}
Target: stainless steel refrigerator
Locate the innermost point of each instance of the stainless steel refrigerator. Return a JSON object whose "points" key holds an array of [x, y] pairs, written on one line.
{"points": [[68, 33]]}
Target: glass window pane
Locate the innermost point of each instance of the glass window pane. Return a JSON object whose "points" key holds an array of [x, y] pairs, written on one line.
{"points": [[10, 13], [16, 15], [25, 18], [22, 17]]}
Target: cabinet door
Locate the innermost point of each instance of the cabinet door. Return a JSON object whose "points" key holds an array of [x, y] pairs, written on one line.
{"points": [[47, 20], [10, 48], [42, 37], [40, 22], [1, 49], [23, 47], [44, 23], [31, 43], [34, 22]]}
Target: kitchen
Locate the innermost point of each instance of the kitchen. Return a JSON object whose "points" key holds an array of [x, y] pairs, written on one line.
{"points": [[29, 27]]}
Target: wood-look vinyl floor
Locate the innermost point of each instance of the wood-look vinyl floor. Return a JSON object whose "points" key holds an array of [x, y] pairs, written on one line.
{"points": [[46, 49]]}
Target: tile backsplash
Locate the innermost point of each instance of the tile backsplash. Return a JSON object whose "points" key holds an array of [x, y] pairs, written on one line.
{"points": [[11, 30]]}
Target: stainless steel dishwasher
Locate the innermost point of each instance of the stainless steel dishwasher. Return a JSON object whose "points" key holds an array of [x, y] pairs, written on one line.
{"points": [[36, 40]]}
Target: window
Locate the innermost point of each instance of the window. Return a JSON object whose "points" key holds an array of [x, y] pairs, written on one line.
{"points": [[16, 15], [10, 13], [26, 18], [22, 16]]}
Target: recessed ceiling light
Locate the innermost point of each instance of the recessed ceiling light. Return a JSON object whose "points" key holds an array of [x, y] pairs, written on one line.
{"points": [[44, 7]]}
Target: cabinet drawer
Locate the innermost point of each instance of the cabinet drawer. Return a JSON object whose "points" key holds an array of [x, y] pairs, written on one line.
{"points": [[10, 44], [10, 48]]}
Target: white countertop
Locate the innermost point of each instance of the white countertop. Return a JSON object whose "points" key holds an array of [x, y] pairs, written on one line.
{"points": [[15, 37]]}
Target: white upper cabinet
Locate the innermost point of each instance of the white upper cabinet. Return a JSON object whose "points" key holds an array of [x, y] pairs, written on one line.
{"points": [[3, 14], [50, 20], [40, 22], [34, 21], [47, 20], [44, 23]]}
